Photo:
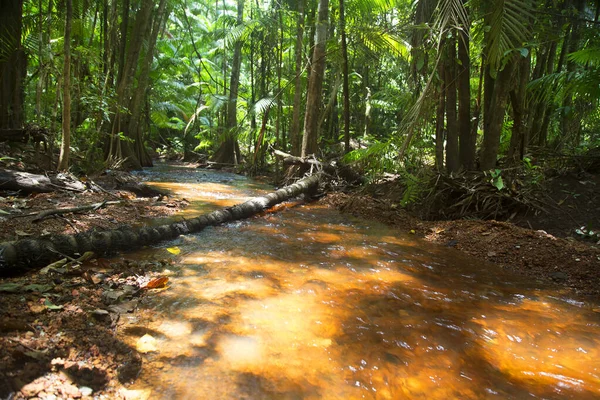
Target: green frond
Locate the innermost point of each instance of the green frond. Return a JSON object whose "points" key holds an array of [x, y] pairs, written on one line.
{"points": [[509, 29], [589, 56], [263, 105], [377, 40]]}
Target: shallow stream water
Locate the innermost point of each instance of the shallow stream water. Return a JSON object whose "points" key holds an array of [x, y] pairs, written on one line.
{"points": [[307, 303]]}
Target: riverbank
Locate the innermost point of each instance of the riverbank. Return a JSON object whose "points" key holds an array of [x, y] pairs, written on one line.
{"points": [[546, 248]]}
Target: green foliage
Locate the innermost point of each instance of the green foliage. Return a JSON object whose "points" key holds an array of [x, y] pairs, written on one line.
{"points": [[496, 179]]}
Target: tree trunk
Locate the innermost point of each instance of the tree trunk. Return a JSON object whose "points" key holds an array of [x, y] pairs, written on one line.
{"points": [[30, 253], [345, 85], [65, 145], [467, 139], [134, 130], [518, 138], [492, 129], [123, 151], [439, 120], [315, 87], [452, 156], [229, 150], [295, 128], [13, 64]]}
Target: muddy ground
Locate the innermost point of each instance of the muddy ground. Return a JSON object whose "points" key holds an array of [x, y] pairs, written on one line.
{"points": [[57, 327]]}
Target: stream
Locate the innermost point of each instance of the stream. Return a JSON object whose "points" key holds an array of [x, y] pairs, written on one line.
{"points": [[308, 303]]}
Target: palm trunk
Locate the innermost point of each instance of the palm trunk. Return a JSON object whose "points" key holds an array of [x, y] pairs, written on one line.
{"points": [[295, 128], [467, 139], [13, 65], [63, 161], [495, 117], [315, 87], [346, 86], [452, 156], [439, 120], [137, 101]]}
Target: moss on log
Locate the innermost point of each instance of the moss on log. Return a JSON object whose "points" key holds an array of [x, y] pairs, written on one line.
{"points": [[19, 256]]}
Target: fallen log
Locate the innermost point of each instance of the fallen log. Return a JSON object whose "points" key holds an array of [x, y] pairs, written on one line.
{"points": [[34, 183], [40, 215], [20, 255]]}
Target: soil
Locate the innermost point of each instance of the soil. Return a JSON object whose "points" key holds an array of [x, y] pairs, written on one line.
{"points": [[57, 327]]}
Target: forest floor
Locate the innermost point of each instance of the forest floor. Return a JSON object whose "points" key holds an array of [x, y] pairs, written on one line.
{"points": [[57, 329]]}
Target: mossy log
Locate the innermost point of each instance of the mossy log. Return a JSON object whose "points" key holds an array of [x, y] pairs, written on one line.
{"points": [[21, 255]]}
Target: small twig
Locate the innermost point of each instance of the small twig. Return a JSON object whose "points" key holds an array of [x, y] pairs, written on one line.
{"points": [[68, 222], [24, 345], [63, 255]]}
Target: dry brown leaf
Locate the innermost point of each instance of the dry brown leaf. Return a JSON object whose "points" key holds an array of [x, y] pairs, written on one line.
{"points": [[157, 283]]}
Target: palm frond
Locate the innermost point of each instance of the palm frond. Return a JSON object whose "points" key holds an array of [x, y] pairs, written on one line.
{"points": [[264, 104], [590, 56], [509, 29]]}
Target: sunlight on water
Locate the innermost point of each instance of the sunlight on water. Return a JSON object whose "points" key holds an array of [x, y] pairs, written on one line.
{"points": [[310, 304]]}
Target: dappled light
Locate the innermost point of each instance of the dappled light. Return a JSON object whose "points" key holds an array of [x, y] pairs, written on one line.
{"points": [[307, 303]]}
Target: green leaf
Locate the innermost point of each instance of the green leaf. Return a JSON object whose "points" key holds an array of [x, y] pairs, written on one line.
{"points": [[48, 304], [10, 288], [37, 288]]}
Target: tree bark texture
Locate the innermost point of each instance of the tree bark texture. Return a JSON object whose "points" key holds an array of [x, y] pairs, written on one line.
{"points": [[18, 256], [345, 84], [440, 120], [452, 156], [493, 123], [13, 64], [65, 144], [315, 85], [467, 141], [295, 128], [139, 95], [234, 82]]}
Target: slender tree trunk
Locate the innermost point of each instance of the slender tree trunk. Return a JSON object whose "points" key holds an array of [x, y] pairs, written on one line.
{"points": [[13, 63], [518, 138], [493, 123], [231, 122], [313, 100], [295, 128], [63, 161], [467, 139], [568, 121], [123, 151], [229, 152], [345, 84], [439, 119], [137, 101], [452, 156]]}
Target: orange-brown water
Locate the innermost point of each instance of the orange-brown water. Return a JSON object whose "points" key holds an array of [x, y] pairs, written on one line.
{"points": [[307, 303]]}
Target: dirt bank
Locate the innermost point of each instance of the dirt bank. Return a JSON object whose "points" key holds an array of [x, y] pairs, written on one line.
{"points": [[535, 253]]}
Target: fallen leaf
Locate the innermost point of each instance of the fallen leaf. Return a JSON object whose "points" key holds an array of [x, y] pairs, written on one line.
{"points": [[174, 250], [157, 283], [37, 288], [21, 233], [10, 288], [51, 306]]}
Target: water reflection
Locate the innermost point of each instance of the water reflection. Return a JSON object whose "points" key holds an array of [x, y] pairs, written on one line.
{"points": [[310, 304]]}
